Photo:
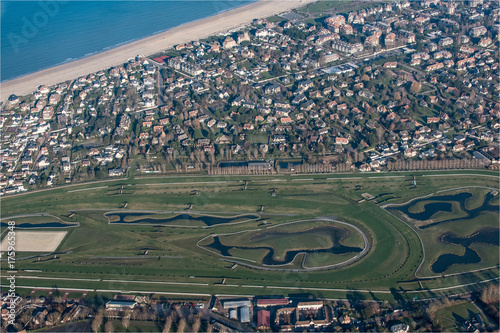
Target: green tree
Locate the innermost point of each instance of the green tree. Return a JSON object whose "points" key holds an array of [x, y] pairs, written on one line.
{"points": [[198, 134], [415, 87], [372, 138]]}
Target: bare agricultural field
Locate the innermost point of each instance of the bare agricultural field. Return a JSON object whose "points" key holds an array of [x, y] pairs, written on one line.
{"points": [[35, 241]]}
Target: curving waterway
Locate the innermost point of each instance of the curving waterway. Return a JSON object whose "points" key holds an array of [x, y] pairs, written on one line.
{"points": [[443, 205], [489, 236], [27, 225], [183, 219], [335, 234]]}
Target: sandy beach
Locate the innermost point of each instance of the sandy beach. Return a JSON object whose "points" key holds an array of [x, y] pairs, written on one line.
{"points": [[147, 46]]}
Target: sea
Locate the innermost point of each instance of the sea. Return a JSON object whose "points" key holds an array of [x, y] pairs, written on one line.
{"points": [[36, 35]]}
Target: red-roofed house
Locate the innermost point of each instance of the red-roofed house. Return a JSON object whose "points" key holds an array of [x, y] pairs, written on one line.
{"points": [[372, 40], [390, 38], [341, 141], [248, 127], [263, 319], [161, 59], [272, 302]]}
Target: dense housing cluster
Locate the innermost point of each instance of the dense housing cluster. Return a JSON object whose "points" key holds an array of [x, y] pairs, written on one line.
{"points": [[264, 314]]}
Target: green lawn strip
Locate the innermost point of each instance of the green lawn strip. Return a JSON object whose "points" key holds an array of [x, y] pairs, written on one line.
{"points": [[320, 6], [326, 259], [274, 19], [32, 219], [253, 256], [258, 138], [74, 295], [37, 293]]}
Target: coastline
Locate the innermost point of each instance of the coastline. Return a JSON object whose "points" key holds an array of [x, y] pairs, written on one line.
{"points": [[191, 31]]}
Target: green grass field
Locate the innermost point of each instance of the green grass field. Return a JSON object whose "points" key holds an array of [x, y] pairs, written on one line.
{"points": [[111, 257]]}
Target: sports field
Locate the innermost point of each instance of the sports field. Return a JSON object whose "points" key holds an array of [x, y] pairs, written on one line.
{"points": [[253, 223]]}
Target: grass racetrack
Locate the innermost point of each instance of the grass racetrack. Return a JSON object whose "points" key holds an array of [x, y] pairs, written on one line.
{"points": [[155, 257]]}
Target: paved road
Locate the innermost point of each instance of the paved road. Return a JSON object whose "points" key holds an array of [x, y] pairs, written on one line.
{"points": [[160, 82]]}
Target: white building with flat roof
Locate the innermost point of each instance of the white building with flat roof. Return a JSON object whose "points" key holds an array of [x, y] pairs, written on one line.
{"points": [[310, 305]]}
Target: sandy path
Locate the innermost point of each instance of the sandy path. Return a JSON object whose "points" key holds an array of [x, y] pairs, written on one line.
{"points": [[35, 241]]}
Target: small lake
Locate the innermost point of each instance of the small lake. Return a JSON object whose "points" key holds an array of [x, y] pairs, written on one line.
{"points": [[443, 205], [227, 164], [335, 234], [489, 236], [232, 164], [27, 225], [181, 219]]}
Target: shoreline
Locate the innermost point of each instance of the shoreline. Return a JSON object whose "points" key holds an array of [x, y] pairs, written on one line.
{"points": [[184, 33]]}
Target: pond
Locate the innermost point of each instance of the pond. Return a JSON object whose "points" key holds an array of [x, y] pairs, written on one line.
{"points": [[444, 205], [233, 164], [335, 234], [489, 236], [27, 225], [181, 219]]}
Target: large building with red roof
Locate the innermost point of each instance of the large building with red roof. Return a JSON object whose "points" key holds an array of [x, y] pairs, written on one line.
{"points": [[263, 319], [264, 303]]}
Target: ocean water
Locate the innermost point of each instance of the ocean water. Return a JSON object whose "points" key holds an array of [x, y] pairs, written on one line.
{"points": [[36, 35]]}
